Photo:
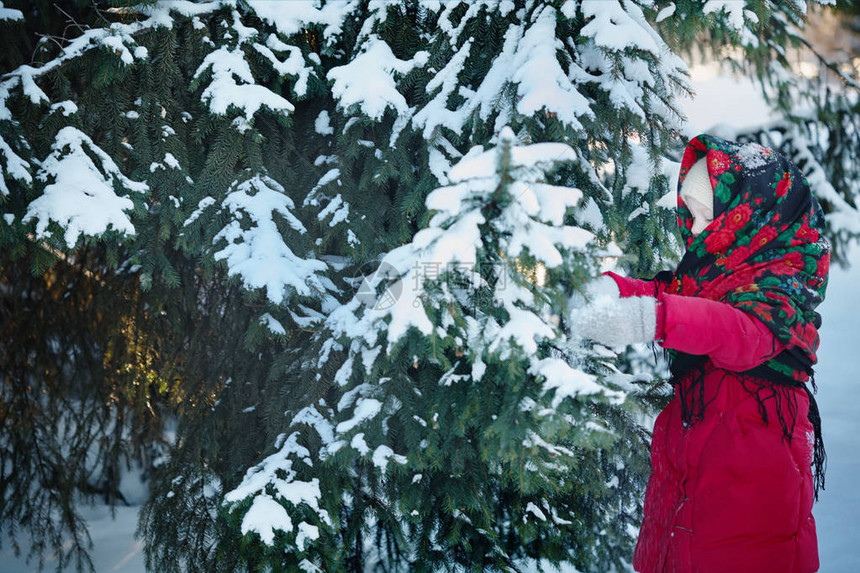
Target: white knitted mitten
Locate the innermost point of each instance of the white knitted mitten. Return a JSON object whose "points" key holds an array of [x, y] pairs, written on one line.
{"points": [[601, 287], [617, 322]]}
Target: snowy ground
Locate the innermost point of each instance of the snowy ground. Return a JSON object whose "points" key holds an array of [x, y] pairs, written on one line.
{"points": [[116, 550], [836, 514]]}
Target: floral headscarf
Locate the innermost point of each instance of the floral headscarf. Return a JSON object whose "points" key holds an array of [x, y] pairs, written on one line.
{"points": [[764, 253]]}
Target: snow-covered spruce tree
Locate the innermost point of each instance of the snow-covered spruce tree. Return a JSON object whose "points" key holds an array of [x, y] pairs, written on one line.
{"points": [[470, 430], [477, 71], [251, 156], [252, 149], [114, 322], [80, 380]]}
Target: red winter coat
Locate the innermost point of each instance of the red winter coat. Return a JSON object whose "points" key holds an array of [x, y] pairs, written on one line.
{"points": [[727, 494]]}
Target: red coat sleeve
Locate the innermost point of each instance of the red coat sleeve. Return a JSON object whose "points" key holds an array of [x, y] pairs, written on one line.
{"points": [[733, 339], [636, 287]]}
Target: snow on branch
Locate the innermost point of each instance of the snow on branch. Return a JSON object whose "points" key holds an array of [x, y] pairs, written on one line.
{"points": [[368, 81], [735, 10], [224, 91], [10, 13], [290, 495], [232, 81], [304, 13], [118, 38], [612, 28], [541, 81], [527, 60], [531, 219], [80, 195], [267, 513], [256, 250], [294, 65], [14, 166], [436, 112], [544, 70], [613, 60]]}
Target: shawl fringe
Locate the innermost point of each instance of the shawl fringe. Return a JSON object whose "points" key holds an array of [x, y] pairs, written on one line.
{"points": [[762, 383]]}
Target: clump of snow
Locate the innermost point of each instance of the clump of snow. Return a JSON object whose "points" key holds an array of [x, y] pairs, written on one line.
{"points": [[312, 417], [313, 196], [672, 171], [322, 124], [613, 28], [259, 254], [639, 172], [666, 12], [541, 82], [224, 91], [67, 107], [303, 13], [534, 510], [10, 13], [752, 155], [117, 45], [359, 444], [168, 161], [81, 197], [337, 208], [383, 454], [590, 215], [264, 517], [368, 80], [15, 167], [567, 381], [272, 324], [202, 205], [294, 65], [366, 409], [306, 533]]}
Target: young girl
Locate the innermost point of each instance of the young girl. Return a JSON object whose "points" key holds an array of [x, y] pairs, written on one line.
{"points": [[732, 455]]}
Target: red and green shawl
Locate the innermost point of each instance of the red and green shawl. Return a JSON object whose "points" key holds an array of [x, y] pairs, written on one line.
{"points": [[764, 253]]}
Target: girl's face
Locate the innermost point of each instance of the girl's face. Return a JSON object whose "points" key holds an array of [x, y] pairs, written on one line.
{"points": [[702, 215]]}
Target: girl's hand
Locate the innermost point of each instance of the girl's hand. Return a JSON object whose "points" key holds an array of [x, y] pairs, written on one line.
{"points": [[616, 321], [601, 287]]}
